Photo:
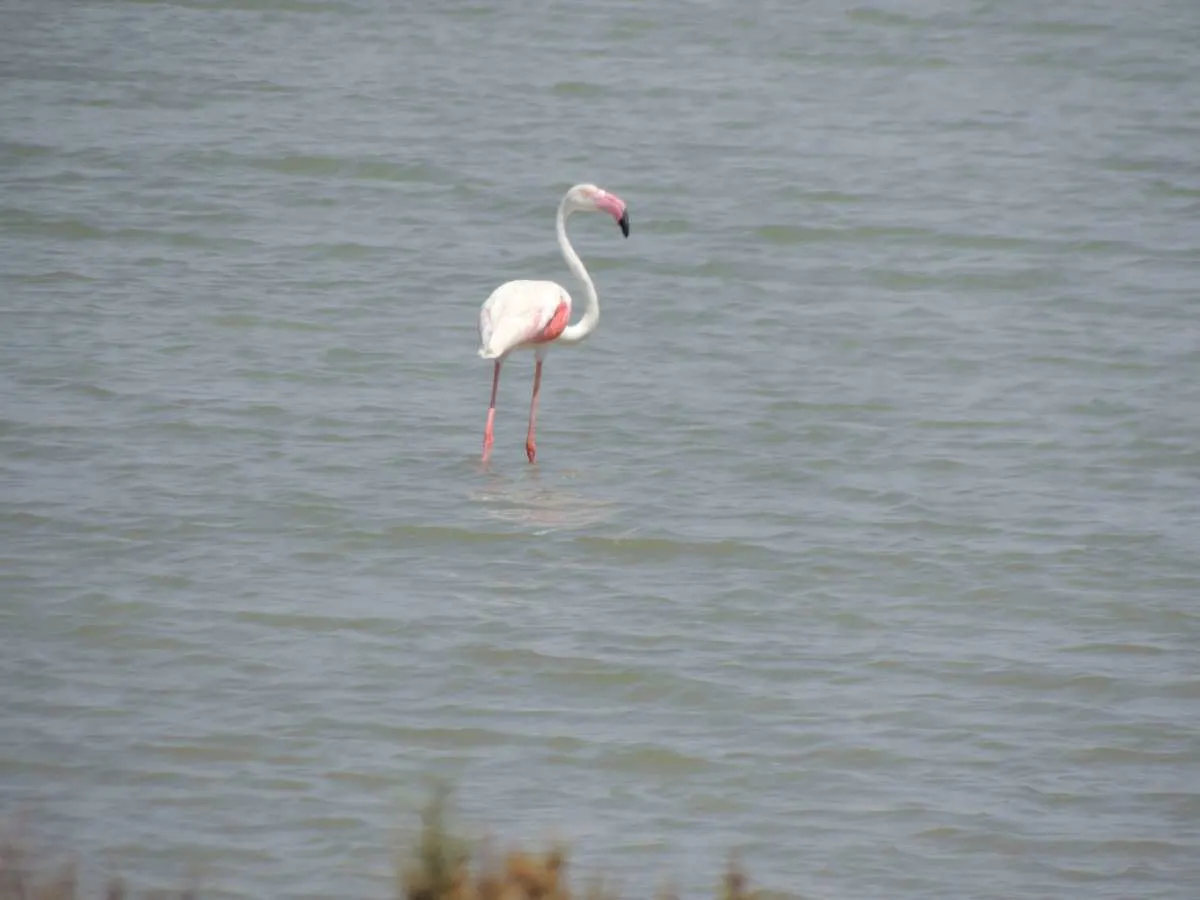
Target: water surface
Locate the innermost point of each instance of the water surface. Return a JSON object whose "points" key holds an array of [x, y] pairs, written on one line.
{"points": [[863, 536]]}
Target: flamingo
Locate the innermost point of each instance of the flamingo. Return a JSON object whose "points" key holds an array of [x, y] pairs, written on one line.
{"points": [[530, 315]]}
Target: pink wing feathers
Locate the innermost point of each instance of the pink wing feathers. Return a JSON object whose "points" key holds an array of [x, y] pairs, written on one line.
{"points": [[520, 313]]}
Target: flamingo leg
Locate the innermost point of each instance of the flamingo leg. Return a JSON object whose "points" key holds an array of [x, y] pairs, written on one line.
{"points": [[530, 444], [488, 438]]}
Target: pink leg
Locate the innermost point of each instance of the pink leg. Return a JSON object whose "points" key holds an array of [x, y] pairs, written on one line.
{"points": [[530, 445], [487, 431]]}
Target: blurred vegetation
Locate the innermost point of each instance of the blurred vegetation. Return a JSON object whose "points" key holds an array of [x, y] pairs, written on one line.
{"points": [[441, 866]]}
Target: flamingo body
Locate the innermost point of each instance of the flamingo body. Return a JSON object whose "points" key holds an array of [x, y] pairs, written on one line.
{"points": [[522, 315]]}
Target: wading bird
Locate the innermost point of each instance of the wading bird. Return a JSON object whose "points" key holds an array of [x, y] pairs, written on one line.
{"points": [[530, 315]]}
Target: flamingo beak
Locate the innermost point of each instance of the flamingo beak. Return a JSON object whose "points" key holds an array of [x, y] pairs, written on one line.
{"points": [[615, 207]]}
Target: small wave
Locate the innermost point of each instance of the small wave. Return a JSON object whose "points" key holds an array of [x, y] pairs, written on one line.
{"points": [[72, 229], [655, 548], [628, 29], [1125, 649], [1124, 755], [348, 250], [999, 280], [822, 196], [285, 6], [1128, 164], [360, 169], [578, 89], [247, 321], [869, 15], [802, 234], [57, 277], [216, 749], [438, 534], [1164, 188], [319, 624], [654, 759], [861, 757], [16, 150], [1062, 28], [20, 221], [471, 12], [892, 61], [666, 226]]}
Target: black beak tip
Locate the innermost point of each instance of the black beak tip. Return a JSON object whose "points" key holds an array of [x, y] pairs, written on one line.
{"points": [[624, 223]]}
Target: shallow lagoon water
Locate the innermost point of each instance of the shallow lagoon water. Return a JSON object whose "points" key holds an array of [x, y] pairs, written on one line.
{"points": [[863, 535]]}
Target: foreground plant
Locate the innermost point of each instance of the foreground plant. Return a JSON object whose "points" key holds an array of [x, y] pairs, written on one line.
{"points": [[437, 867]]}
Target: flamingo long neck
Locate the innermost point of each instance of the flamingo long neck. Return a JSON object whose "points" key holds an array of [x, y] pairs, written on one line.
{"points": [[573, 334]]}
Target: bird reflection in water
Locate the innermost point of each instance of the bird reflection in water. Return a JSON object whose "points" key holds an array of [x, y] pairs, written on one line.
{"points": [[526, 500]]}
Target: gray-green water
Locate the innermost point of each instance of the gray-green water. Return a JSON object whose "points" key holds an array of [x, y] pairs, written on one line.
{"points": [[865, 532]]}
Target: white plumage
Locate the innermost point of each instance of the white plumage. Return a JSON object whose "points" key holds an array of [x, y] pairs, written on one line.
{"points": [[532, 314], [516, 313]]}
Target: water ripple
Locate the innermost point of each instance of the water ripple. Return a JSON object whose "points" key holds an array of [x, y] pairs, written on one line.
{"points": [[861, 535]]}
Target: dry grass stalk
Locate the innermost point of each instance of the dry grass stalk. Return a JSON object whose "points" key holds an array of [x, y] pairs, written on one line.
{"points": [[439, 867]]}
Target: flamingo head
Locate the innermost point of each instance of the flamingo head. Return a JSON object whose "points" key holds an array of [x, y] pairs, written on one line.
{"points": [[589, 198]]}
